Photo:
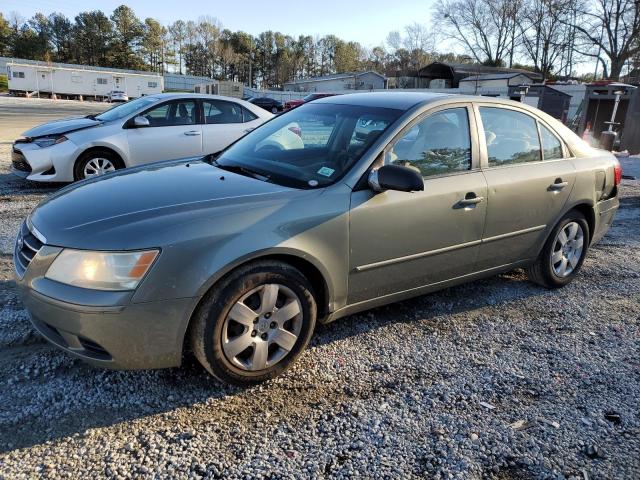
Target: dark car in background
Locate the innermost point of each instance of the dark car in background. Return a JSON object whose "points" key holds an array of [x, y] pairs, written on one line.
{"points": [[288, 105], [270, 104]]}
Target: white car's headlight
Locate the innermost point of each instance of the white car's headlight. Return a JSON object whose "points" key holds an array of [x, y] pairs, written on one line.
{"points": [[101, 270], [43, 142]]}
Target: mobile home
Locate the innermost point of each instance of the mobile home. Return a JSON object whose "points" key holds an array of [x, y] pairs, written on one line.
{"points": [[66, 82]]}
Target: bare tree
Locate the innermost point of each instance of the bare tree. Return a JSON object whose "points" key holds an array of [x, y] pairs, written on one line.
{"points": [[543, 25], [609, 28], [486, 28]]}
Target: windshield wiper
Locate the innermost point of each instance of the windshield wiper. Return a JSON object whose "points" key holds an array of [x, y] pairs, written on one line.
{"points": [[92, 116], [246, 171]]}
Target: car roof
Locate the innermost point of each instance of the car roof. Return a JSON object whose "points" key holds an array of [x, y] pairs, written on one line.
{"points": [[405, 100]]}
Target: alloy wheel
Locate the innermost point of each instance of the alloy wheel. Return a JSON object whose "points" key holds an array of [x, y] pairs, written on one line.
{"points": [[567, 249], [98, 166], [262, 327]]}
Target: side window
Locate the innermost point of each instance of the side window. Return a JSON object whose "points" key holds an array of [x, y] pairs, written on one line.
{"points": [[182, 112], [439, 144], [551, 146], [217, 112], [512, 137], [247, 115]]}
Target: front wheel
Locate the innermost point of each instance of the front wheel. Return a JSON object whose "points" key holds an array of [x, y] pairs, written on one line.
{"points": [[255, 323], [274, 109], [96, 163], [563, 253]]}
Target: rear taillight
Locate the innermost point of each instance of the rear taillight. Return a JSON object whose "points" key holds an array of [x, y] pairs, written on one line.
{"points": [[617, 173], [296, 130]]}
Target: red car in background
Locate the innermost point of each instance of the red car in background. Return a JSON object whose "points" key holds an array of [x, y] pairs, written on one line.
{"points": [[309, 98]]}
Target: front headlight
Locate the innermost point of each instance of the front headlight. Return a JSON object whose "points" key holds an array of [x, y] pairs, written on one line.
{"points": [[101, 270], [49, 141]]}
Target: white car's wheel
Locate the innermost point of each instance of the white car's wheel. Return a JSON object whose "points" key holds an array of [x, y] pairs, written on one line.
{"points": [[96, 163]]}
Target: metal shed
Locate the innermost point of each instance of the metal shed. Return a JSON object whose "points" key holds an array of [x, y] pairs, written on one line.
{"points": [[448, 75], [546, 98], [598, 104]]}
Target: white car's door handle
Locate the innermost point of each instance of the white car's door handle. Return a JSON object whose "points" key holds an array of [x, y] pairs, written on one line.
{"points": [[193, 133]]}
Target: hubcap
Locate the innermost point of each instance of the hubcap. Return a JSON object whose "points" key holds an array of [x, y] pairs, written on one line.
{"points": [[98, 166], [262, 327], [567, 249]]}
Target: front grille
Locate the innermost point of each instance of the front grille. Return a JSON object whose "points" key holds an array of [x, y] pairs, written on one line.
{"points": [[27, 245], [18, 161]]}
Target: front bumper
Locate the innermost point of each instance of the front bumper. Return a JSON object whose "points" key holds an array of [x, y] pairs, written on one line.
{"points": [[103, 328], [50, 164]]}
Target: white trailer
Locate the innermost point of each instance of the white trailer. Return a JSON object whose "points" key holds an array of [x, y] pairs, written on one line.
{"points": [[65, 82]]}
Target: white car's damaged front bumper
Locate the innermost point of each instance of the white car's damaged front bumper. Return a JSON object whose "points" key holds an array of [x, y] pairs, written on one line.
{"points": [[44, 164]]}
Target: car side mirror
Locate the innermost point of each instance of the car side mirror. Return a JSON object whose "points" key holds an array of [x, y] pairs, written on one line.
{"points": [[140, 121], [395, 177]]}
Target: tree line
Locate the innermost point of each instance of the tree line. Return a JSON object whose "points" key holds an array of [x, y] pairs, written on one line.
{"points": [[547, 36]]}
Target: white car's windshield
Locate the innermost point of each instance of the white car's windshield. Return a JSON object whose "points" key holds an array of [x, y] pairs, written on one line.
{"points": [[311, 146], [125, 109]]}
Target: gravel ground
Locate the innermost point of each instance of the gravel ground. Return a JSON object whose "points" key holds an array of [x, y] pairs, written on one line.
{"points": [[495, 379]]}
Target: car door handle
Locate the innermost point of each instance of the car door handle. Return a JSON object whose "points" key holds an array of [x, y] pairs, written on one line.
{"points": [[193, 133], [469, 200], [558, 185]]}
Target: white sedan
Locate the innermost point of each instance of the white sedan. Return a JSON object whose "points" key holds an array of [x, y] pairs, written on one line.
{"points": [[148, 129]]}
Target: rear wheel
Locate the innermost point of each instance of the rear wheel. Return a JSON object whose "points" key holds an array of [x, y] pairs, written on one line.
{"points": [[255, 323], [563, 254], [96, 163]]}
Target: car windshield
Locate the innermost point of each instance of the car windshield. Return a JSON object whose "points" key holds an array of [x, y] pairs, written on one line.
{"points": [[308, 98], [125, 109], [309, 147]]}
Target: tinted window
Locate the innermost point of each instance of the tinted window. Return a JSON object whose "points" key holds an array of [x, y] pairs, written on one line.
{"points": [[216, 111], [248, 115], [311, 146], [439, 144], [182, 112], [512, 137], [551, 146]]}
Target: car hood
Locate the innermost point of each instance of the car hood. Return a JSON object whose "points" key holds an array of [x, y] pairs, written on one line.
{"points": [[58, 127], [134, 207]]}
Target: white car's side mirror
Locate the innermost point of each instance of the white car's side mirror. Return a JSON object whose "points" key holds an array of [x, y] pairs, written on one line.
{"points": [[141, 122]]}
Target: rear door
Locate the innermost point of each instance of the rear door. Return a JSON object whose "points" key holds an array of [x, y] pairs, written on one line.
{"points": [[529, 180], [224, 122], [401, 241], [173, 132]]}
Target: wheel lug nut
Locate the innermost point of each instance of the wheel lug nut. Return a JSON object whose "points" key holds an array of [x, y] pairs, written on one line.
{"points": [[267, 315], [255, 320], [263, 336], [273, 325], [254, 333]]}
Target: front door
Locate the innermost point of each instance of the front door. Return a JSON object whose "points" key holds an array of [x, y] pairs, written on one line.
{"points": [[529, 183], [402, 241], [173, 132]]}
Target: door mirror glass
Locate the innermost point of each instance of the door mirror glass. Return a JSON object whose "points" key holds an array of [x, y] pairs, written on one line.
{"points": [[140, 121], [396, 177]]}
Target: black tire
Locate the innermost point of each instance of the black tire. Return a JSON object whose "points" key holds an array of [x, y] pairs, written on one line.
{"points": [[542, 271], [208, 323], [274, 109], [85, 158]]}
